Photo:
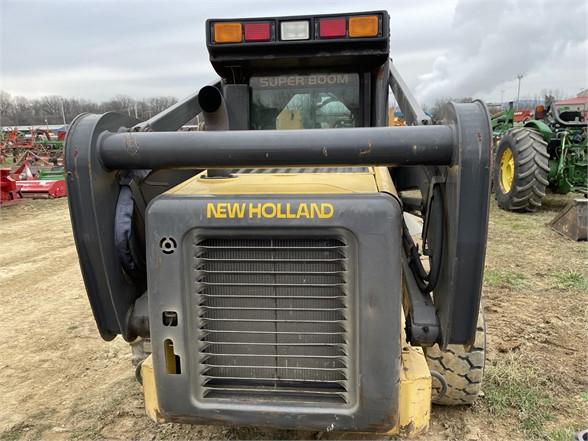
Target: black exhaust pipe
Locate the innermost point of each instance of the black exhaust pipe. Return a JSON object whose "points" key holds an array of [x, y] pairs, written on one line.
{"points": [[214, 111], [213, 108]]}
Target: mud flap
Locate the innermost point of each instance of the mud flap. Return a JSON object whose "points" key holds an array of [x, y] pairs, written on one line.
{"points": [[93, 193]]}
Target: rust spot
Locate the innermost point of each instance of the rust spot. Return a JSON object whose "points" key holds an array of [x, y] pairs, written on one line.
{"points": [[367, 150], [407, 429], [159, 417], [131, 145]]}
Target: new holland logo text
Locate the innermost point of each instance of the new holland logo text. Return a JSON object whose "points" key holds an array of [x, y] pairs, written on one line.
{"points": [[269, 210]]}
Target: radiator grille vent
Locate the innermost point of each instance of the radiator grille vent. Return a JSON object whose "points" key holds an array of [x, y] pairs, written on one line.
{"points": [[273, 319]]}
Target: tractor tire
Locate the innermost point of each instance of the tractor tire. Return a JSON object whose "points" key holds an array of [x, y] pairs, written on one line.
{"points": [[520, 170], [457, 374]]}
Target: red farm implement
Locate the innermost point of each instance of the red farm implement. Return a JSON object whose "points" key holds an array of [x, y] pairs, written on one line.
{"points": [[36, 146], [42, 189], [47, 183], [10, 192]]}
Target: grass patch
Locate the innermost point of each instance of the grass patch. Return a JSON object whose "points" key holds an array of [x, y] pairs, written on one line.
{"points": [[505, 279], [567, 280], [519, 227], [513, 389], [563, 434]]}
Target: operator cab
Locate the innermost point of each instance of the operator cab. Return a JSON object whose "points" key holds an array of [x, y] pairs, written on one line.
{"points": [[303, 72]]}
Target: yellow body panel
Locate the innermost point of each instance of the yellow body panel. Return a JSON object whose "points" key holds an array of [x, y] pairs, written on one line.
{"points": [[384, 181], [415, 394], [149, 391], [374, 180], [414, 409]]}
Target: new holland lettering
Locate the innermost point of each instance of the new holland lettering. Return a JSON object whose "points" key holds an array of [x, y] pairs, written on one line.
{"points": [[269, 210]]}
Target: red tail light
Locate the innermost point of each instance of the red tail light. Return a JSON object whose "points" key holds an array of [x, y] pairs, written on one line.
{"points": [[257, 31], [332, 27]]}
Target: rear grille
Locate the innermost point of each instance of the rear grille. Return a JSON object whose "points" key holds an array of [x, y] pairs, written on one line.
{"points": [[273, 319]]}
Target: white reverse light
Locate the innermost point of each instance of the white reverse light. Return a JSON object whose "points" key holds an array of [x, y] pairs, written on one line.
{"points": [[295, 30]]}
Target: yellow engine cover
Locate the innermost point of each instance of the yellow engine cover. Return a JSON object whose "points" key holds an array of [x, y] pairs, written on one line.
{"points": [[415, 379], [369, 180]]}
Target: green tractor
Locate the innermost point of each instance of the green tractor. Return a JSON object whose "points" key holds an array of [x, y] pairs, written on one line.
{"points": [[502, 122], [549, 151]]}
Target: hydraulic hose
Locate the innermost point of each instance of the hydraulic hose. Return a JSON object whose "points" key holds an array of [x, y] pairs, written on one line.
{"points": [[427, 281]]}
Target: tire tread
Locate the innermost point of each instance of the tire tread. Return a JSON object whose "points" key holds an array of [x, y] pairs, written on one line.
{"points": [[531, 170], [463, 371]]}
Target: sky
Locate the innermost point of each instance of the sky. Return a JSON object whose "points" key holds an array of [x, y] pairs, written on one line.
{"points": [[443, 48]]}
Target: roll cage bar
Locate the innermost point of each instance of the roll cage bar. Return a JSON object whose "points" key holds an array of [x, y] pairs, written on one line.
{"points": [[448, 163]]}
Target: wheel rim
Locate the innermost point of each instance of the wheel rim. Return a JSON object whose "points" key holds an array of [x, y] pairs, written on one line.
{"points": [[507, 168]]}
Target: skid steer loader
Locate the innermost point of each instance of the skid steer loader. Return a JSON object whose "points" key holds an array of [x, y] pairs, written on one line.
{"points": [[297, 264]]}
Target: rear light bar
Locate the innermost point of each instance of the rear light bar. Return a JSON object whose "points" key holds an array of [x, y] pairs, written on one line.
{"points": [[296, 29]]}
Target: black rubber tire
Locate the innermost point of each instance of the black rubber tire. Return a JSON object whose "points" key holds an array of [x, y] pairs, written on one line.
{"points": [[461, 372], [531, 167], [138, 375]]}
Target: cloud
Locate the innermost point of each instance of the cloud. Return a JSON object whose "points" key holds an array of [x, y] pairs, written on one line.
{"points": [[98, 49], [491, 42], [103, 82]]}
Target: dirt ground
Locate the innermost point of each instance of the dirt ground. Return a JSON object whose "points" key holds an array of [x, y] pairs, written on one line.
{"points": [[59, 380]]}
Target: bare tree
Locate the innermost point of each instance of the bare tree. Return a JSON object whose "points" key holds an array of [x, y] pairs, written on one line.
{"points": [[18, 110], [50, 105], [160, 103], [5, 105]]}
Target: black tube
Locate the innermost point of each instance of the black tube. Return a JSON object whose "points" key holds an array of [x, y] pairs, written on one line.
{"points": [[214, 110], [209, 98], [437, 213], [429, 145], [427, 282]]}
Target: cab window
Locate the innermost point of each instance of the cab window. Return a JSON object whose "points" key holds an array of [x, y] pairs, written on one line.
{"points": [[313, 101]]}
